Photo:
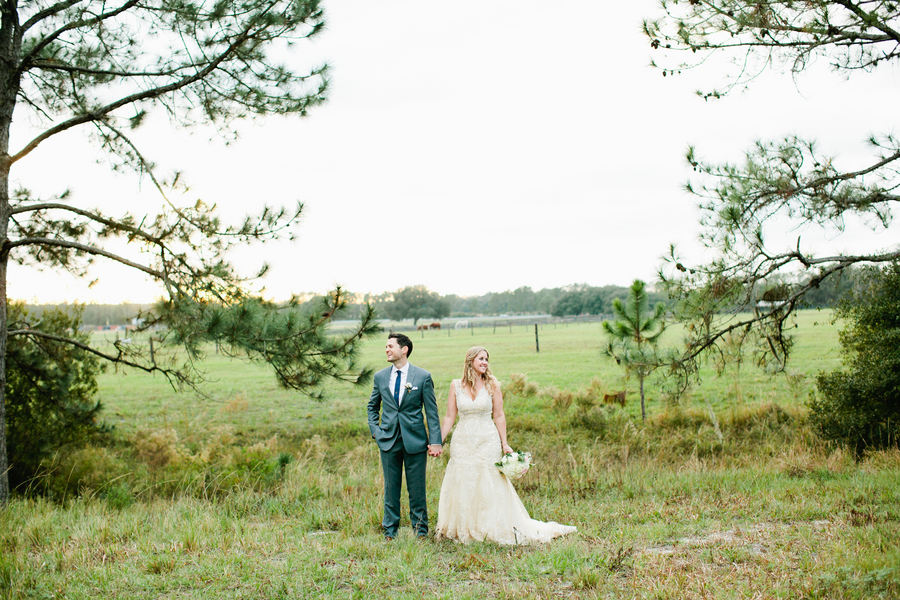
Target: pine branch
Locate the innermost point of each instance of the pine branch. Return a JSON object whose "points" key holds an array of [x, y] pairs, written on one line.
{"points": [[25, 62], [251, 228], [172, 375], [48, 12], [116, 224], [880, 24], [57, 66], [81, 247], [701, 344], [150, 94]]}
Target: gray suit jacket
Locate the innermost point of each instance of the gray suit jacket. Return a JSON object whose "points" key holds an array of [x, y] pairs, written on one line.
{"points": [[388, 422]]}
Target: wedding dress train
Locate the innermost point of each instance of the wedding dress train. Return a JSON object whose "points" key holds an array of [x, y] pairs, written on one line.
{"points": [[477, 501]]}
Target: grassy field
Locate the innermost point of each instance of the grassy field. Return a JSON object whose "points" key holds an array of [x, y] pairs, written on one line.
{"points": [[255, 492]]}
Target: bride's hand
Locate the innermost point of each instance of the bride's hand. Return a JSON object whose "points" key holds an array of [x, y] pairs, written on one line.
{"points": [[506, 449]]}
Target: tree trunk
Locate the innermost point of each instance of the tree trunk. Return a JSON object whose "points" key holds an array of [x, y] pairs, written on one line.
{"points": [[4, 261], [10, 56], [4, 464], [643, 409]]}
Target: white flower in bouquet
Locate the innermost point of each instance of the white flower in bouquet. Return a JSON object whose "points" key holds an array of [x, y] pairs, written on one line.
{"points": [[515, 464]]}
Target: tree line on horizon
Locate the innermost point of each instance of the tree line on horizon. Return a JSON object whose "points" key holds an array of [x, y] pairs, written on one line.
{"points": [[415, 302], [570, 300]]}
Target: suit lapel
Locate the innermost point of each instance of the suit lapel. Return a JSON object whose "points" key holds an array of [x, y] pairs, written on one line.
{"points": [[386, 387]]}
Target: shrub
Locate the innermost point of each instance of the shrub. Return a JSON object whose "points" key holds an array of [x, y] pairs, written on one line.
{"points": [[50, 387], [587, 398], [518, 385], [859, 407], [515, 385], [160, 447], [85, 469], [562, 400]]}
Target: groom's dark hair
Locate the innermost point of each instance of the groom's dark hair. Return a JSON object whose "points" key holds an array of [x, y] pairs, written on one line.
{"points": [[402, 340]]}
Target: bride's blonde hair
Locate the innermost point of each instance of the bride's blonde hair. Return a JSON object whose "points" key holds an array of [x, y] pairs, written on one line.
{"points": [[470, 376]]}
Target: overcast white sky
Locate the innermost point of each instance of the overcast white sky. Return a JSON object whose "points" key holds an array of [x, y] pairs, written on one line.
{"points": [[474, 146]]}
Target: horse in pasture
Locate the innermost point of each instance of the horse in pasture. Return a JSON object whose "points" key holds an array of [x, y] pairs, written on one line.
{"points": [[617, 398], [435, 325]]}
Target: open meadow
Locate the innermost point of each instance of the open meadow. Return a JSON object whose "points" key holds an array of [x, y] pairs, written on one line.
{"points": [[257, 492]]}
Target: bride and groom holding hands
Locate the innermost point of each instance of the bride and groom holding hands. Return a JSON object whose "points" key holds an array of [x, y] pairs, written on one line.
{"points": [[477, 501]]}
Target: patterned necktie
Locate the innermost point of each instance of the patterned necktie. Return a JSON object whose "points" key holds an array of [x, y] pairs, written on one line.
{"points": [[397, 388]]}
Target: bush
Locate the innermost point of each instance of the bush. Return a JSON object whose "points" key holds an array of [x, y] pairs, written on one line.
{"points": [[87, 469], [515, 385], [50, 387], [859, 407]]}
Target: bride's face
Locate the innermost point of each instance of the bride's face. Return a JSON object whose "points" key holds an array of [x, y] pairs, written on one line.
{"points": [[480, 362]]}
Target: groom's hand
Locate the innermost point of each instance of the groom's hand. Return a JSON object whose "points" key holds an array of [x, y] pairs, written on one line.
{"points": [[435, 450]]}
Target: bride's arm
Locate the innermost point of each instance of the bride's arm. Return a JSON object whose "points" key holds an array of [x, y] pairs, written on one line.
{"points": [[450, 415], [500, 417]]}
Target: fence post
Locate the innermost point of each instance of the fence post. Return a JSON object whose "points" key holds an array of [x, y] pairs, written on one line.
{"points": [[537, 342]]}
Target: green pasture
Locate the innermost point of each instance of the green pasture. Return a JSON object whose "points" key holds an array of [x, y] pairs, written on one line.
{"points": [[570, 358], [256, 492]]}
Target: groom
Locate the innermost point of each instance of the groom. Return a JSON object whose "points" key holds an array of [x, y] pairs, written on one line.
{"points": [[400, 393]]}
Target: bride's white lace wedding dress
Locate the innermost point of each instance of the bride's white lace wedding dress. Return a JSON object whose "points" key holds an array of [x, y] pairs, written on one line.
{"points": [[477, 501]]}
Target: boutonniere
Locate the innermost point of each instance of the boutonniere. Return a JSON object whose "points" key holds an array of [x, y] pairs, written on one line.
{"points": [[409, 387]]}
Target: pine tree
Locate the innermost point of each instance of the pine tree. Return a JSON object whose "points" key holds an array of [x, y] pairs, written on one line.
{"points": [[102, 67], [634, 335], [751, 284]]}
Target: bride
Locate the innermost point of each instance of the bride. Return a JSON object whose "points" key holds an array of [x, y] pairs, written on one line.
{"points": [[477, 501]]}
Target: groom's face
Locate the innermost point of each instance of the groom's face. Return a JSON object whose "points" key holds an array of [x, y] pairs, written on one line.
{"points": [[394, 351]]}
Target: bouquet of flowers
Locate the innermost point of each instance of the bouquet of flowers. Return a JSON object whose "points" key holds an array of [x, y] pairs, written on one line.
{"points": [[514, 464]]}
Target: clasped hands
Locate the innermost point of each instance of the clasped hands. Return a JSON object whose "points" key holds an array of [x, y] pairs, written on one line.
{"points": [[435, 450]]}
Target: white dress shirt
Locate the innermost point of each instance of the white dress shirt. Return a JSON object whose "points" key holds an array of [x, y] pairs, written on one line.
{"points": [[402, 373]]}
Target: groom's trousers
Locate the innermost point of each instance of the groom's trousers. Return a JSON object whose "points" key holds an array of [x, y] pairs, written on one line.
{"points": [[394, 462]]}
